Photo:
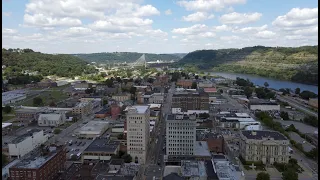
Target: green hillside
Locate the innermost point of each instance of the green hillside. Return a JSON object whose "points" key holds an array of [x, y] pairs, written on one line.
{"points": [[129, 57], [17, 61], [296, 64]]}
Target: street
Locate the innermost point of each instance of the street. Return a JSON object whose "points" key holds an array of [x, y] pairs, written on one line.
{"points": [[297, 105]]}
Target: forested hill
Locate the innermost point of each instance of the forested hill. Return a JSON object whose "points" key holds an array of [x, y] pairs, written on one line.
{"points": [[129, 57], [296, 64], [19, 60]]}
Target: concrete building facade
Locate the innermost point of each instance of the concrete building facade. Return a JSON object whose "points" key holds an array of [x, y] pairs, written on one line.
{"points": [[82, 108], [265, 146], [52, 119], [122, 97], [190, 101], [180, 134], [138, 132]]}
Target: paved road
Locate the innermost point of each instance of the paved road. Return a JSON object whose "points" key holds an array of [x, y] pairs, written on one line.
{"points": [[296, 105]]}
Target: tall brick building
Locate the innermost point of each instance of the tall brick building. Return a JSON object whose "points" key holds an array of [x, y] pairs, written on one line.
{"points": [[190, 101]]}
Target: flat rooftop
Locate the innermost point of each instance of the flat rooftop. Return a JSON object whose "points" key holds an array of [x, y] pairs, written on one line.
{"points": [[259, 135], [102, 145], [261, 102], [201, 149], [4, 125], [171, 117], [138, 109], [94, 126], [25, 136], [34, 161], [153, 171], [193, 168]]}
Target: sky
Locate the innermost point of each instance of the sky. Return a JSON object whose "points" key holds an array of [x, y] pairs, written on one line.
{"points": [[156, 26]]}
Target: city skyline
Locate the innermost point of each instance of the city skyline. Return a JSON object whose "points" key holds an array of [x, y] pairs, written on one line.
{"points": [[156, 26]]}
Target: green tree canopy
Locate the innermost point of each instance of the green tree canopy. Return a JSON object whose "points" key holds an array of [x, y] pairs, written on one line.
{"points": [[290, 174], [37, 101], [7, 109], [194, 85], [263, 176]]}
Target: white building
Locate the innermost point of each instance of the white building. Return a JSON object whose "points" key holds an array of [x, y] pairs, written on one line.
{"points": [[13, 97], [180, 134], [179, 111], [156, 98], [138, 132], [26, 143], [93, 129], [52, 119], [82, 108], [118, 128]]}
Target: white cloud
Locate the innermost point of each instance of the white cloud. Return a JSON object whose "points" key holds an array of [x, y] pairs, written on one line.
{"points": [[197, 28], [207, 5], [8, 14], [238, 18], [197, 17], [147, 10], [45, 21], [312, 31], [7, 31], [174, 37], [222, 28], [297, 17], [168, 12], [266, 34], [229, 38], [250, 29]]}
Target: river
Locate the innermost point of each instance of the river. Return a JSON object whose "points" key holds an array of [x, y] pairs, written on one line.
{"points": [[273, 83]]}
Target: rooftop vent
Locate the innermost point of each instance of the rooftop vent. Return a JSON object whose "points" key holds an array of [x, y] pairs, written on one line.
{"points": [[254, 133]]}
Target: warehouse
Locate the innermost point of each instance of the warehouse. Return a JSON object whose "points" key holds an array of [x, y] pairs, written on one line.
{"points": [[93, 129], [263, 105]]}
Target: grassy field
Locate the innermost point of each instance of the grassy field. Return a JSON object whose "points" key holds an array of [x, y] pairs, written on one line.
{"points": [[6, 118], [47, 97]]}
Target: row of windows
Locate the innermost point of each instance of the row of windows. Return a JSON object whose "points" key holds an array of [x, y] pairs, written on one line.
{"points": [[181, 145], [135, 137], [181, 141], [137, 118], [181, 124], [181, 128], [135, 144], [134, 140], [180, 153], [135, 148], [179, 132]]}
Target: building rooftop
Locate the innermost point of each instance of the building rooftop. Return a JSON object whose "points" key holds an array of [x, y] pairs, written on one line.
{"points": [[210, 170], [103, 111], [259, 135], [5, 170], [4, 125], [173, 176], [102, 145], [94, 126], [225, 170], [193, 168], [201, 148], [50, 117], [171, 169], [138, 109], [81, 104], [25, 136], [154, 106], [112, 177], [116, 162], [261, 102], [171, 117], [34, 159]]}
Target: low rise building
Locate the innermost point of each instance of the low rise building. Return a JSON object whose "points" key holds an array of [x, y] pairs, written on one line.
{"points": [[41, 164], [215, 141], [263, 105], [122, 97], [156, 98], [184, 83], [240, 121], [205, 84], [184, 101], [101, 149], [265, 146], [26, 142], [225, 170], [93, 129], [6, 128], [102, 113], [27, 115], [47, 83], [115, 111], [11, 97], [118, 128], [52, 119], [82, 86], [82, 108]]}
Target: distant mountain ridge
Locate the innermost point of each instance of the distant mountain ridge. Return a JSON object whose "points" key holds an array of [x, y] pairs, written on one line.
{"points": [[299, 64], [129, 57]]}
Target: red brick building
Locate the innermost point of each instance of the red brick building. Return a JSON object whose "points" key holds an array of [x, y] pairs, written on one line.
{"points": [[40, 164], [185, 83], [115, 111], [215, 141]]}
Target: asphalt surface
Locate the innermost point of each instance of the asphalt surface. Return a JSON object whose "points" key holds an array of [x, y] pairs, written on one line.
{"points": [[297, 105]]}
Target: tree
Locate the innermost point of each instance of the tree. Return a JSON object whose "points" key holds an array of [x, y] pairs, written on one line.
{"points": [[150, 80], [57, 131], [7, 109], [297, 91], [133, 90], [196, 77], [307, 95], [263, 176], [109, 83], [105, 101], [37, 101], [52, 104], [204, 77], [221, 91], [266, 84], [4, 160], [248, 91], [120, 136], [284, 115], [127, 158], [89, 91], [74, 157], [290, 174], [194, 85]]}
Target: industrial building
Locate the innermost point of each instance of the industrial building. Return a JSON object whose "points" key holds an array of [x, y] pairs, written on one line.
{"points": [[25, 143], [238, 121], [10, 97], [93, 129], [138, 132], [263, 105], [41, 164], [101, 148], [265, 146], [225, 169], [122, 97], [82, 108]]}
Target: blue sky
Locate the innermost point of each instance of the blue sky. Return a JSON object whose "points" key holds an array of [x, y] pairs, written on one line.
{"points": [[156, 26]]}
